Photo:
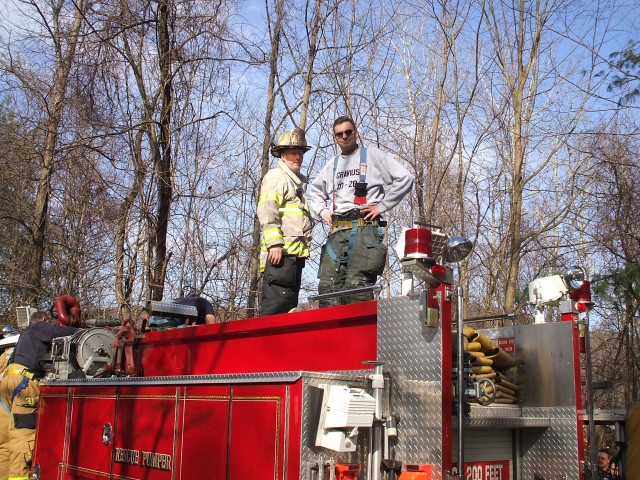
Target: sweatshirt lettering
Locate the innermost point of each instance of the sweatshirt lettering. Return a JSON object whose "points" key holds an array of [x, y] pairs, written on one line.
{"points": [[348, 173]]}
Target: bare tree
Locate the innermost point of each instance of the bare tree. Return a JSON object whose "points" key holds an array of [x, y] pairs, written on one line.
{"points": [[61, 23], [152, 100], [18, 141], [162, 153], [527, 139], [612, 202]]}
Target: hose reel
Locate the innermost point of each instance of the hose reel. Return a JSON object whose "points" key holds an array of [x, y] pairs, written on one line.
{"points": [[84, 354]]}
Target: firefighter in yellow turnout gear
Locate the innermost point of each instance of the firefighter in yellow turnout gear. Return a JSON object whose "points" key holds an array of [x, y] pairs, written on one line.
{"points": [[286, 225], [20, 390], [5, 420]]}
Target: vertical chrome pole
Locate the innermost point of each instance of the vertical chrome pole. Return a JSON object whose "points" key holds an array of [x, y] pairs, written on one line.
{"points": [[461, 382], [377, 384]]}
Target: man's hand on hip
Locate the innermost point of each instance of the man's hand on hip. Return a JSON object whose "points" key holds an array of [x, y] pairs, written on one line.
{"points": [[328, 218], [370, 212], [275, 255]]}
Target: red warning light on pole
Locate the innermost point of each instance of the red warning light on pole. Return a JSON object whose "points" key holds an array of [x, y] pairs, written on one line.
{"points": [[582, 297], [438, 270], [581, 307]]}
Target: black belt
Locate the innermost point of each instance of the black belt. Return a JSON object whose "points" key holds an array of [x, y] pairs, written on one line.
{"points": [[339, 225], [353, 214]]}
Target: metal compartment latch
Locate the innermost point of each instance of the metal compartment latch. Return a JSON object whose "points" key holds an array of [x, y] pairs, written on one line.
{"points": [[106, 434]]}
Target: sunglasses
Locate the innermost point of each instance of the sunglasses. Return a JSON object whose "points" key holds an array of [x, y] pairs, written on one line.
{"points": [[346, 133]]}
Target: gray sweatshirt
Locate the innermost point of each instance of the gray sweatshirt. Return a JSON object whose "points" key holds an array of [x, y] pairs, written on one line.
{"points": [[387, 182]]}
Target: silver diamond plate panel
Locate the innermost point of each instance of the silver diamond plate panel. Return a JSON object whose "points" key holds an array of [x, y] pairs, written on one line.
{"points": [[411, 350], [552, 452], [310, 455], [438, 243], [170, 308], [496, 411], [413, 356], [500, 416]]}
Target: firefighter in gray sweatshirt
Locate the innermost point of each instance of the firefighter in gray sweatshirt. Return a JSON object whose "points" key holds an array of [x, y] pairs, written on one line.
{"points": [[350, 195]]}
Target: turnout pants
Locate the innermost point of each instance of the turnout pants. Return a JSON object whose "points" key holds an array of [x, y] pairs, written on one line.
{"points": [[281, 285], [5, 420], [351, 258], [20, 394]]}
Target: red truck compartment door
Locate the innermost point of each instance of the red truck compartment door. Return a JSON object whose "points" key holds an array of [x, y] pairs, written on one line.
{"points": [[146, 429], [204, 423], [259, 428], [74, 449]]}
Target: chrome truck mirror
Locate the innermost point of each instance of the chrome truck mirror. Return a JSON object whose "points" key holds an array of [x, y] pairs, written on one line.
{"points": [[457, 249]]}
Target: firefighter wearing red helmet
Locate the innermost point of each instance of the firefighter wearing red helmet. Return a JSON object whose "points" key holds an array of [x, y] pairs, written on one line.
{"points": [[286, 225]]}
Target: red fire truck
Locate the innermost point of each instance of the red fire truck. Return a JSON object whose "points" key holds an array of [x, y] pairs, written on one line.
{"points": [[379, 390]]}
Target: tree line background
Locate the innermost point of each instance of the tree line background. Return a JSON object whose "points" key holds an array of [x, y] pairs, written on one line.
{"points": [[134, 135]]}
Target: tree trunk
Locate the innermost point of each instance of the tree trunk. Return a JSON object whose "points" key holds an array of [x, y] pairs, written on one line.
{"points": [[123, 286], [163, 154], [316, 24], [38, 228]]}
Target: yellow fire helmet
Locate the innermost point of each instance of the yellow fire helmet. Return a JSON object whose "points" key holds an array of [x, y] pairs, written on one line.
{"points": [[292, 139]]}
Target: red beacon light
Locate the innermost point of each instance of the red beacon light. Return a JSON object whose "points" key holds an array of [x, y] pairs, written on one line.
{"points": [[438, 270], [581, 297], [420, 248]]}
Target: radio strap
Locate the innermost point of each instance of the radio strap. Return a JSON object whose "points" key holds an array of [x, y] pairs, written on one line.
{"points": [[360, 197], [352, 241], [21, 386]]}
